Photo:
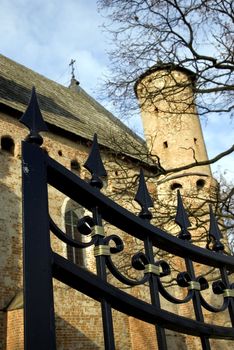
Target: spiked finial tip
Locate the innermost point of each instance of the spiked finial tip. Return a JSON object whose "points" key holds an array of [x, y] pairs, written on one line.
{"points": [[182, 219], [33, 120], [95, 165], [143, 198], [214, 234]]}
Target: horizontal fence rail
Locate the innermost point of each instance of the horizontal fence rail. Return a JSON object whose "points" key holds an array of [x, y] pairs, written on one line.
{"points": [[68, 183]]}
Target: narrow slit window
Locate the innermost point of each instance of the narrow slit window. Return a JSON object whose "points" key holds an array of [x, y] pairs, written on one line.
{"points": [[7, 144], [75, 166], [165, 144]]}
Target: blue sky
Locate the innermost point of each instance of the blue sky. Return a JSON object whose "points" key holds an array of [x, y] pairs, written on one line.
{"points": [[45, 35]]}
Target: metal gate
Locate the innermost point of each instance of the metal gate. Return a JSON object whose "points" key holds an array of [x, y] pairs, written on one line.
{"points": [[41, 264]]}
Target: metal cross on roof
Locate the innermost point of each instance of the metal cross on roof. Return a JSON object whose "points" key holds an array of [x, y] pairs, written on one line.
{"points": [[72, 68]]}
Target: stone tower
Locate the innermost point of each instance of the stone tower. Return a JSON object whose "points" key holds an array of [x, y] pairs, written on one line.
{"points": [[173, 132], [171, 124], [174, 136]]}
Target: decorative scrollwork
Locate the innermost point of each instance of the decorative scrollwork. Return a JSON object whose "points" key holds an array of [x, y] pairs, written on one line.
{"points": [[218, 288], [164, 268], [138, 262], [85, 225], [183, 280], [203, 282], [68, 240], [171, 298], [119, 245]]}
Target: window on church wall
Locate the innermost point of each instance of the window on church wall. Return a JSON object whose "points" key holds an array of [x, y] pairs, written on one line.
{"points": [[175, 186], [8, 144], [75, 255], [75, 166]]}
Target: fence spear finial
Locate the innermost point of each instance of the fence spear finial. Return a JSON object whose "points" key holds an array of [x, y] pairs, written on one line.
{"points": [[182, 219], [143, 198], [214, 234], [95, 165], [33, 120]]}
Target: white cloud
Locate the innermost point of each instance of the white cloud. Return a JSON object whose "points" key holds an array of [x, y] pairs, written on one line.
{"points": [[44, 36]]}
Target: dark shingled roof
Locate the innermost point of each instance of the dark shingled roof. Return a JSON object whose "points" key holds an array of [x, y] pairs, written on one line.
{"points": [[73, 111]]}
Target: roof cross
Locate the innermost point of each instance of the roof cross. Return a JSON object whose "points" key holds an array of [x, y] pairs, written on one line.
{"points": [[72, 68]]}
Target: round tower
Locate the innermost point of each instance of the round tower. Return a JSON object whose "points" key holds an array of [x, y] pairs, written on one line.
{"points": [[171, 124], [173, 133]]}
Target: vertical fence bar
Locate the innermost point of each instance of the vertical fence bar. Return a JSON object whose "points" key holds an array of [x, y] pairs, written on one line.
{"points": [[145, 201], [197, 304], [39, 324], [107, 319], [183, 221], [155, 300], [95, 166]]}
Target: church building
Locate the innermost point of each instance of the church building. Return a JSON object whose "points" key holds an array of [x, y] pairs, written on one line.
{"points": [[173, 138]]}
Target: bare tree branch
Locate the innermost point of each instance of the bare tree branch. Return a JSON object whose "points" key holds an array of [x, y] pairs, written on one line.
{"points": [[205, 162]]}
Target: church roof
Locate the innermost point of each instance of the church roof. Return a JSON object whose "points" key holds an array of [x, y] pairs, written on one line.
{"points": [[72, 111]]}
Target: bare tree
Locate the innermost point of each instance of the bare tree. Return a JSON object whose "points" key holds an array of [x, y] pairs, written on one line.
{"points": [[195, 35]]}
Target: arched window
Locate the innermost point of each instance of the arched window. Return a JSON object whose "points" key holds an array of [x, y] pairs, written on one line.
{"points": [[7, 144], [76, 255]]}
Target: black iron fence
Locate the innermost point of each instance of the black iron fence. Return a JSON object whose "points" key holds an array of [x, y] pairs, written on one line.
{"points": [[41, 264]]}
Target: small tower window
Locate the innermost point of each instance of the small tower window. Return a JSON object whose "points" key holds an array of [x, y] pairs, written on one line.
{"points": [[45, 150], [75, 255], [200, 184], [195, 140], [7, 144], [175, 185], [75, 165], [165, 144], [60, 153]]}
